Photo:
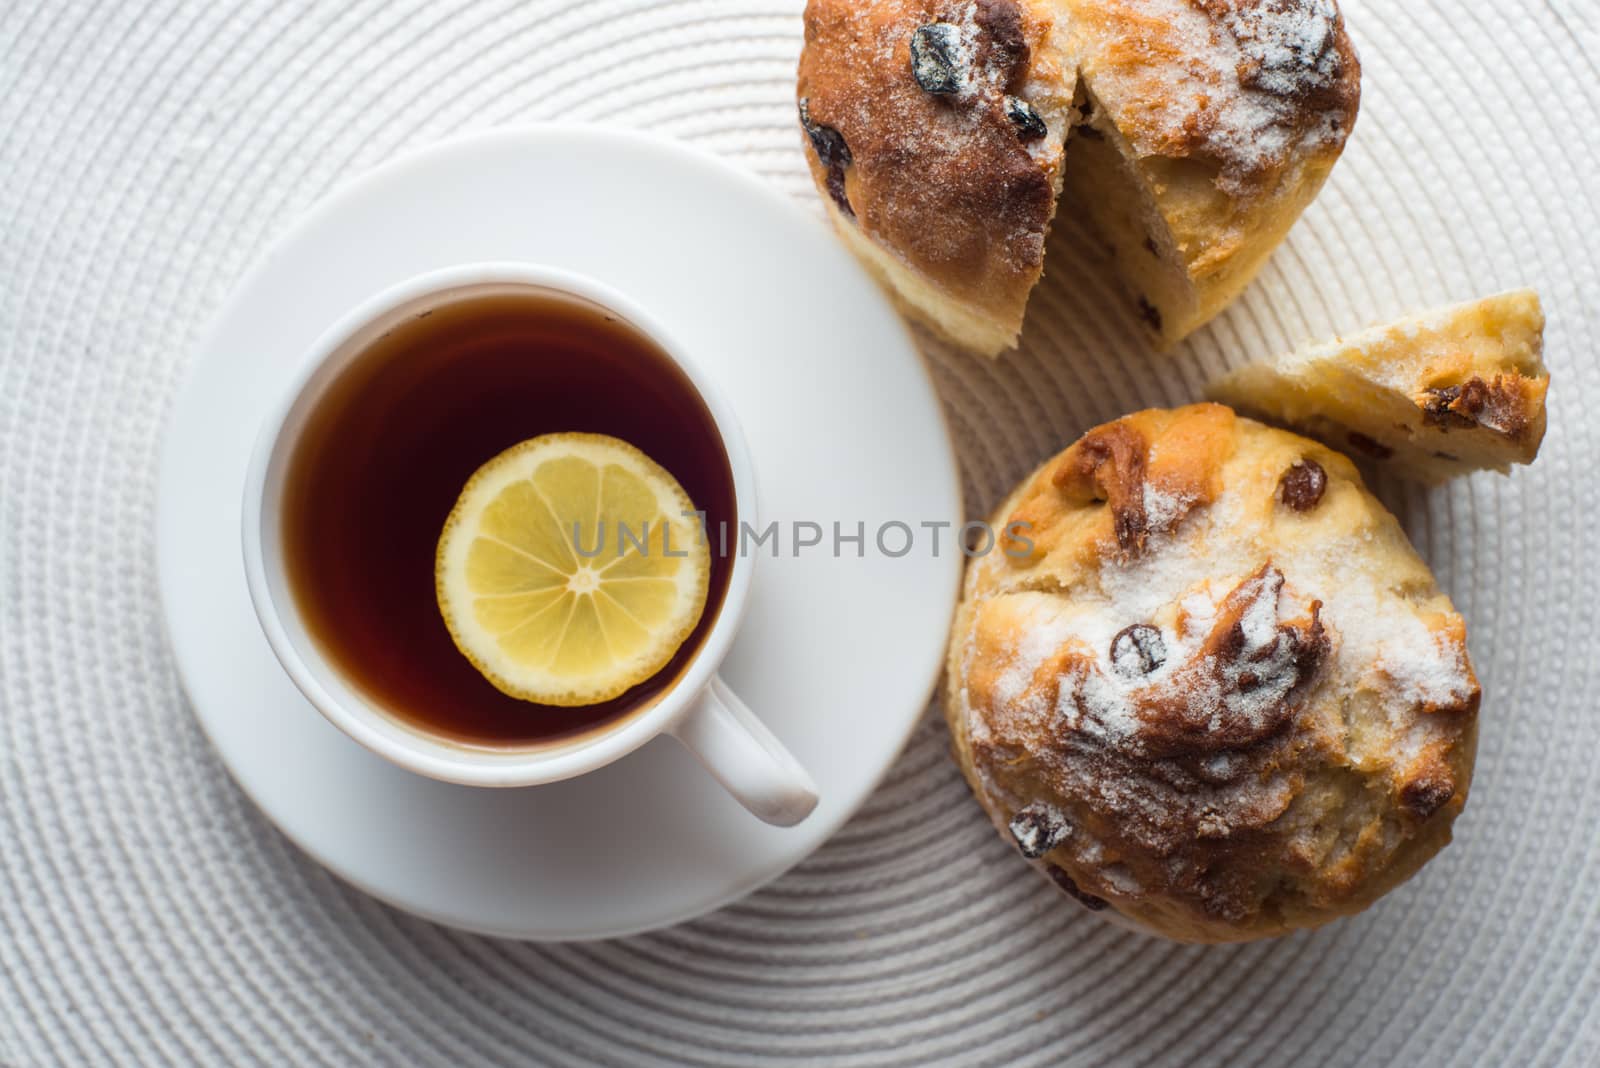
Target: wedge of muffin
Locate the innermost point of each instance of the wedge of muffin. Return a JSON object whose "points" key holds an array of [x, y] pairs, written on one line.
{"points": [[1435, 395]]}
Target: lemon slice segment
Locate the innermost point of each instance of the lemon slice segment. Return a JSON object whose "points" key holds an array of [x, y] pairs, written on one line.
{"points": [[571, 569]]}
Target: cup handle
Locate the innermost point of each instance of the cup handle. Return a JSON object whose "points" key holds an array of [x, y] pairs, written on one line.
{"points": [[745, 757]]}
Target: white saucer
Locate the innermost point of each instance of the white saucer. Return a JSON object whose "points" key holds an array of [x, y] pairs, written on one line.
{"points": [[837, 655]]}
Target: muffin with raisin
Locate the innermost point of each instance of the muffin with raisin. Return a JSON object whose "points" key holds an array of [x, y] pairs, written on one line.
{"points": [[1208, 687], [1191, 133]]}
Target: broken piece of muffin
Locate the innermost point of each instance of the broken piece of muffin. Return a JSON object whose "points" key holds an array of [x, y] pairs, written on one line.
{"points": [[1440, 394], [1199, 132]]}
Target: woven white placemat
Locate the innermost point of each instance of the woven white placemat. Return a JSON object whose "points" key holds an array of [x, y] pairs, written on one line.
{"points": [[149, 149]]}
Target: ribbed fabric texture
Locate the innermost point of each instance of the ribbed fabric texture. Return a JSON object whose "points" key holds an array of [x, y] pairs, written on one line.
{"points": [[151, 149]]}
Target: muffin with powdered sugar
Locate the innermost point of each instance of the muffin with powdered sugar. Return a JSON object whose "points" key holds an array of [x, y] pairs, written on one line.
{"points": [[1208, 687], [1190, 133]]}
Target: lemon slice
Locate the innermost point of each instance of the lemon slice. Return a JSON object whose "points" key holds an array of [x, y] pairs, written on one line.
{"points": [[571, 569]]}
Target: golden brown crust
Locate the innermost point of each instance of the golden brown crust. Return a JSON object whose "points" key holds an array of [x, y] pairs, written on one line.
{"points": [[945, 180], [1146, 490], [1245, 86], [1109, 465], [1229, 114], [1259, 717]]}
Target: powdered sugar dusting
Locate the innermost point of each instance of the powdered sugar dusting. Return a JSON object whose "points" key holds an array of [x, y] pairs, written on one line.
{"points": [[1177, 751], [1260, 619], [1163, 510], [1379, 639], [1290, 44], [1098, 705], [1039, 828], [1423, 670], [1042, 641], [1245, 82], [974, 78], [1223, 766], [1251, 686], [1232, 693]]}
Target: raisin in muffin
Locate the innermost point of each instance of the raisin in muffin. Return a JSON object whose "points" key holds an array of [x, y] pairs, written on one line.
{"points": [[1208, 687], [1441, 394], [1199, 130]]}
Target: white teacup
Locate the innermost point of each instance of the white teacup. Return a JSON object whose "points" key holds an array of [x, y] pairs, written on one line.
{"points": [[698, 709]]}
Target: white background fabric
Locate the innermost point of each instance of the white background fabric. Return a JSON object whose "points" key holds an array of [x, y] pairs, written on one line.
{"points": [[150, 149]]}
